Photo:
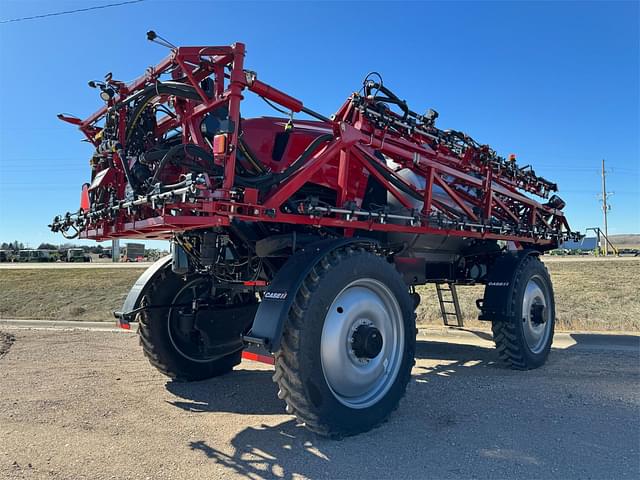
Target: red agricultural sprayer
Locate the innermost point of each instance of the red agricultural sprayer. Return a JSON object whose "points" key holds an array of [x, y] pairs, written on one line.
{"points": [[305, 239]]}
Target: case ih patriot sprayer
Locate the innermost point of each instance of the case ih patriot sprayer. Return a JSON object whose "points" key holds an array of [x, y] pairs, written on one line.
{"points": [[306, 238]]}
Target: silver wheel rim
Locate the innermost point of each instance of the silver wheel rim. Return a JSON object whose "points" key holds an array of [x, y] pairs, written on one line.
{"points": [[536, 325], [355, 381]]}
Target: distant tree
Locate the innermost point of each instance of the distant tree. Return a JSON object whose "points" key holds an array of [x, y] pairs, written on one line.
{"points": [[47, 246], [5, 246]]}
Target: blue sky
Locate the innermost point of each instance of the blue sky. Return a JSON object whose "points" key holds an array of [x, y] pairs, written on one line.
{"points": [[557, 83]]}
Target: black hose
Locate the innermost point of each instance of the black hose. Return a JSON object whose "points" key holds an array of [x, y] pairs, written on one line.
{"points": [[144, 96], [152, 156], [391, 98], [189, 148], [267, 180], [261, 182], [250, 157], [162, 88]]}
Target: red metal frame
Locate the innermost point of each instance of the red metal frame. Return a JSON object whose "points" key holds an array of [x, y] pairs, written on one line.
{"points": [[499, 210]]}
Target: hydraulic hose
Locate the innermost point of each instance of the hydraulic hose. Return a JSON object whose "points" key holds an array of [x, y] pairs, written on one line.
{"points": [[188, 148], [148, 93], [267, 180], [162, 88]]}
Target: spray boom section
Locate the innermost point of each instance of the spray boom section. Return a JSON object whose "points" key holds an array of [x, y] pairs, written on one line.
{"points": [[173, 154]]}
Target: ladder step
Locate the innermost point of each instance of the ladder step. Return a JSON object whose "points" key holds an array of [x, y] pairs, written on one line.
{"points": [[450, 299]]}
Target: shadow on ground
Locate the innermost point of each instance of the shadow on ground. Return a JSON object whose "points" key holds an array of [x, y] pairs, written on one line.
{"points": [[252, 392], [464, 416], [6, 340], [248, 392]]}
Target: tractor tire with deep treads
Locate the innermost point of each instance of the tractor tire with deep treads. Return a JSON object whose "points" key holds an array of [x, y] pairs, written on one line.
{"points": [[156, 341], [524, 340], [352, 306]]}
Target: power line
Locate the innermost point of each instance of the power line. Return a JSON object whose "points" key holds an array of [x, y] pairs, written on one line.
{"points": [[68, 12]]}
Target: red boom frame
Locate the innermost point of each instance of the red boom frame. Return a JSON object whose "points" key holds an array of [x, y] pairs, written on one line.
{"points": [[498, 210]]}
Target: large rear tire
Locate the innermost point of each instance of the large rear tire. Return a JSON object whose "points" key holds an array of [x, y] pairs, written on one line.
{"points": [[171, 355], [524, 340], [348, 344]]}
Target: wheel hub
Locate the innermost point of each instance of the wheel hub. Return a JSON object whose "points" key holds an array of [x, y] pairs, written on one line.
{"points": [[366, 342], [535, 314], [362, 343], [538, 313]]}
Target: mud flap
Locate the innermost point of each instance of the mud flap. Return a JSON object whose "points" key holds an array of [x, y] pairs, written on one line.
{"points": [[278, 298], [132, 303], [498, 291]]}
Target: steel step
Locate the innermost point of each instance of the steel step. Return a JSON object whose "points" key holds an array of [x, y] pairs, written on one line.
{"points": [[450, 319]]}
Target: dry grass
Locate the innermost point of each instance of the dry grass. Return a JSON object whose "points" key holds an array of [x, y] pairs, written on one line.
{"points": [[64, 294], [590, 295], [625, 240]]}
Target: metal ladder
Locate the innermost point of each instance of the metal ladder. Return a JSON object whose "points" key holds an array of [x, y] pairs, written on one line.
{"points": [[447, 302]]}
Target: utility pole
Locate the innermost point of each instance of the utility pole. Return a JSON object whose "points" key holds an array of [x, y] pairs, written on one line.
{"points": [[605, 209], [115, 250]]}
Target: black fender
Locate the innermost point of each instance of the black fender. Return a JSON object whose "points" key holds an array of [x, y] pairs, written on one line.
{"points": [[279, 295], [134, 297], [495, 305]]}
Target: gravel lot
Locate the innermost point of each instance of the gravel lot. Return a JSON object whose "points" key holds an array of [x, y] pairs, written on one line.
{"points": [[85, 404]]}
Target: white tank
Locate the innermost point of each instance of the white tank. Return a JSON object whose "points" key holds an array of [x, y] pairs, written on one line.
{"points": [[420, 245]]}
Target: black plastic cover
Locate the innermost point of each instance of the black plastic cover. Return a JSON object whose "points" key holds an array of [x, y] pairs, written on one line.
{"points": [[496, 305], [278, 298]]}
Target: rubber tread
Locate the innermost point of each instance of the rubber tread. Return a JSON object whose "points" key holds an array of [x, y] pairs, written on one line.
{"points": [[287, 372]]}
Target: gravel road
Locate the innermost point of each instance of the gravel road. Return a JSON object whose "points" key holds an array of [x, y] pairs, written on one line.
{"points": [[87, 405]]}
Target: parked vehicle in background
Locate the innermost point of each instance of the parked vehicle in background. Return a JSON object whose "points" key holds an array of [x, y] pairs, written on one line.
{"points": [[77, 255], [35, 256], [132, 252], [106, 253], [625, 252], [5, 256]]}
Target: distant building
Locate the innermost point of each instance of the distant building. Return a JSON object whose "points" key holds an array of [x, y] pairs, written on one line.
{"points": [[132, 252]]}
